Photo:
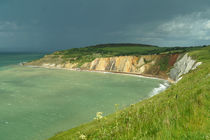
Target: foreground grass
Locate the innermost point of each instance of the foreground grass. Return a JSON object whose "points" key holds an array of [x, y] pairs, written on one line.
{"points": [[180, 112]]}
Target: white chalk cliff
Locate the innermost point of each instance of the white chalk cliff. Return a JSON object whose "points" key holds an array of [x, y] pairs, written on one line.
{"points": [[183, 66]]}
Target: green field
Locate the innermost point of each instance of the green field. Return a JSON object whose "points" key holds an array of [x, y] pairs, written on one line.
{"points": [[180, 112]]}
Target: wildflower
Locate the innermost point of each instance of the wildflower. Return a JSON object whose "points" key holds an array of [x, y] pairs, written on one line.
{"points": [[98, 116], [132, 105], [82, 136]]}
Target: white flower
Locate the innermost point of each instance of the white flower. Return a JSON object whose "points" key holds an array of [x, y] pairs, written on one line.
{"points": [[82, 136], [132, 105], [98, 116]]}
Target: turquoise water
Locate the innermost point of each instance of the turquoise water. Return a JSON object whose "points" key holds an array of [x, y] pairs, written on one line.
{"points": [[36, 103], [15, 58]]}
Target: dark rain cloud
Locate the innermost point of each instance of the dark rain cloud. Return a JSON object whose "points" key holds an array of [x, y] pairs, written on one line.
{"points": [[49, 25]]}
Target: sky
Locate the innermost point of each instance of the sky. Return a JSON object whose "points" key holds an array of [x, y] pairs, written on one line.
{"points": [[50, 25]]}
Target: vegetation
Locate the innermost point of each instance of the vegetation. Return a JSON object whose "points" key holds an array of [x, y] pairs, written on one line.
{"points": [[180, 112], [163, 63], [88, 54]]}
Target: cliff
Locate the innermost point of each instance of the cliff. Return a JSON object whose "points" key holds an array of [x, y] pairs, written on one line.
{"points": [[168, 66], [149, 65], [183, 65]]}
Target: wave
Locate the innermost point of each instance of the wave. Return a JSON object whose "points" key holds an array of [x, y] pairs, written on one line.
{"points": [[159, 89], [21, 63]]}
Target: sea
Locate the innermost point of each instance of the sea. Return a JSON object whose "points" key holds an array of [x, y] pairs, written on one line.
{"points": [[37, 103]]}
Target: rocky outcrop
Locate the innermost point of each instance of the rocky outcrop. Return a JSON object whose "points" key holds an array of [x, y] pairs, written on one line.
{"points": [[183, 65]]}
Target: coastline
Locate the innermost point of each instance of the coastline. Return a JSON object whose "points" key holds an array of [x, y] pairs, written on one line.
{"points": [[111, 72]]}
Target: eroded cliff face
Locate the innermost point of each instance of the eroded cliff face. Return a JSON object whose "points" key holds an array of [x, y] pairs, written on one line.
{"points": [[170, 66], [149, 65], [183, 65]]}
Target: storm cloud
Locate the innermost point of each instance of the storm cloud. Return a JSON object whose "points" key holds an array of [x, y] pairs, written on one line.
{"points": [[49, 25]]}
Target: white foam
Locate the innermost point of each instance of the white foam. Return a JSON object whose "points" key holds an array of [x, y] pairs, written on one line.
{"points": [[159, 89], [22, 63]]}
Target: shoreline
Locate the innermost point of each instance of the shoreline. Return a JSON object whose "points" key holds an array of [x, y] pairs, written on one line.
{"points": [[111, 72]]}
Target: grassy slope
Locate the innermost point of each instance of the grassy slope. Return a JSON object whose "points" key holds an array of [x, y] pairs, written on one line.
{"points": [[180, 112]]}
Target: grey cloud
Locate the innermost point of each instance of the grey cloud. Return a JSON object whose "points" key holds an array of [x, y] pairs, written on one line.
{"points": [[38, 25], [182, 30], [193, 26], [8, 26]]}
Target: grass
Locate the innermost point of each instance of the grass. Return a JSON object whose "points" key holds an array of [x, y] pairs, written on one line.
{"points": [[181, 112]]}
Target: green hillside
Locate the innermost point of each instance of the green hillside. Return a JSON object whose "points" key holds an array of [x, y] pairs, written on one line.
{"points": [[180, 112], [88, 54]]}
